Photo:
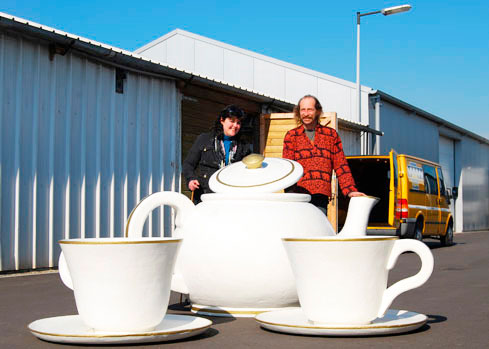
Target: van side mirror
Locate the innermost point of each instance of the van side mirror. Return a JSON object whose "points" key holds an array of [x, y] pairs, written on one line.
{"points": [[455, 192]]}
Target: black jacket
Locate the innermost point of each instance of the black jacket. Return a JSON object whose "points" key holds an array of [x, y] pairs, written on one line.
{"points": [[206, 157]]}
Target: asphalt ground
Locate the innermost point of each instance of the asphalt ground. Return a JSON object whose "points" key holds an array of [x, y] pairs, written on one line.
{"points": [[455, 299]]}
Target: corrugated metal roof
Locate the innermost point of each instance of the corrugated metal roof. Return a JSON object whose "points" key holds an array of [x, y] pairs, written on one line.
{"points": [[346, 123], [117, 56], [113, 54], [429, 116]]}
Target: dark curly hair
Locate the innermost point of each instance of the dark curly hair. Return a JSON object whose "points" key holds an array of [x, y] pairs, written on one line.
{"points": [[297, 109], [229, 111]]}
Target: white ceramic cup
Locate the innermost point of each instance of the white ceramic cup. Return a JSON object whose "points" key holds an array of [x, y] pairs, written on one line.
{"points": [[344, 280], [120, 284]]}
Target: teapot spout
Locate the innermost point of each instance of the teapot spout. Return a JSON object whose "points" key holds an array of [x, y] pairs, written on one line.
{"points": [[357, 216]]}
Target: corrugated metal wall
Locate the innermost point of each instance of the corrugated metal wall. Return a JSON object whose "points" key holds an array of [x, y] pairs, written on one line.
{"points": [[76, 156], [352, 141], [415, 135], [474, 185], [407, 133]]}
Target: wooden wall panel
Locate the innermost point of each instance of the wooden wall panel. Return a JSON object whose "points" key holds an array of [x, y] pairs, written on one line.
{"points": [[273, 128], [200, 108]]}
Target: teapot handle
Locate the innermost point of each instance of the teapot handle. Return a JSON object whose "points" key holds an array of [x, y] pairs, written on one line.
{"points": [[179, 202]]}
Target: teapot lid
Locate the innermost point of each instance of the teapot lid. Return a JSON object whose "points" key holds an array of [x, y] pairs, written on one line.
{"points": [[256, 174]]}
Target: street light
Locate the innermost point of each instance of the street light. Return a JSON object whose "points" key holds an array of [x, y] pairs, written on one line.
{"points": [[386, 12]]}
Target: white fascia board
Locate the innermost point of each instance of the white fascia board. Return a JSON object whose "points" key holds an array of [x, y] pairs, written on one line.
{"points": [[85, 40], [252, 55], [157, 41]]}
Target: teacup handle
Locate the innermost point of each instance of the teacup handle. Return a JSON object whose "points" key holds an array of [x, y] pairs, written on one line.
{"points": [[411, 282], [182, 205], [64, 272]]}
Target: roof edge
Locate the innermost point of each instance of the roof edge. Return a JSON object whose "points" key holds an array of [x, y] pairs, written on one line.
{"points": [[429, 116], [252, 54], [157, 41]]}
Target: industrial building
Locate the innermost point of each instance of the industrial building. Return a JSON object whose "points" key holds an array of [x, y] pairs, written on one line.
{"points": [[87, 130], [405, 128]]}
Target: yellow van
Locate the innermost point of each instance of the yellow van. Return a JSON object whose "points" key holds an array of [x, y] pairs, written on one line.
{"points": [[414, 202]]}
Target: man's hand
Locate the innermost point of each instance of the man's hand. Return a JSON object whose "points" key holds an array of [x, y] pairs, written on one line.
{"points": [[193, 184], [355, 193]]}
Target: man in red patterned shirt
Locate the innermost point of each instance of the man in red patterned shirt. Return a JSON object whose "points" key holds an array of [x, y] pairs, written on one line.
{"points": [[319, 150]]}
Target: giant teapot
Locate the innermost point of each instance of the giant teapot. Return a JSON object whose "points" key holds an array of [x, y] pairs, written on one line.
{"points": [[232, 261]]}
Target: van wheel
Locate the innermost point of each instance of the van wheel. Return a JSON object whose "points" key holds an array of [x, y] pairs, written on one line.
{"points": [[447, 239], [418, 231]]}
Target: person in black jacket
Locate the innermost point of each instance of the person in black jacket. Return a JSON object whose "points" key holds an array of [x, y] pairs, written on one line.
{"points": [[214, 150]]}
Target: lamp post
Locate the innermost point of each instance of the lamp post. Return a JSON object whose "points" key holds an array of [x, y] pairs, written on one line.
{"points": [[386, 12]]}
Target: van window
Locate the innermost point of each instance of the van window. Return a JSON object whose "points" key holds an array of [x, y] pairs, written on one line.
{"points": [[430, 179], [442, 184], [416, 177]]}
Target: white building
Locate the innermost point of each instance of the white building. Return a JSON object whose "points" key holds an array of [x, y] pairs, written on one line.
{"points": [[87, 130]]}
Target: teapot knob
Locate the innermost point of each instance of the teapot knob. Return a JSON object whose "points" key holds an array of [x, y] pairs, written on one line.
{"points": [[253, 161]]}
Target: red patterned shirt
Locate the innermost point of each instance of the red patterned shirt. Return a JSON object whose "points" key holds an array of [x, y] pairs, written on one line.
{"points": [[319, 159]]}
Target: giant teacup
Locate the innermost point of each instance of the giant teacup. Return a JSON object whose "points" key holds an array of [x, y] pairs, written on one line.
{"points": [[344, 280], [120, 284]]}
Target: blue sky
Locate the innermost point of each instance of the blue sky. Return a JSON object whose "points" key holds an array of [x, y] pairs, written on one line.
{"points": [[435, 57]]}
